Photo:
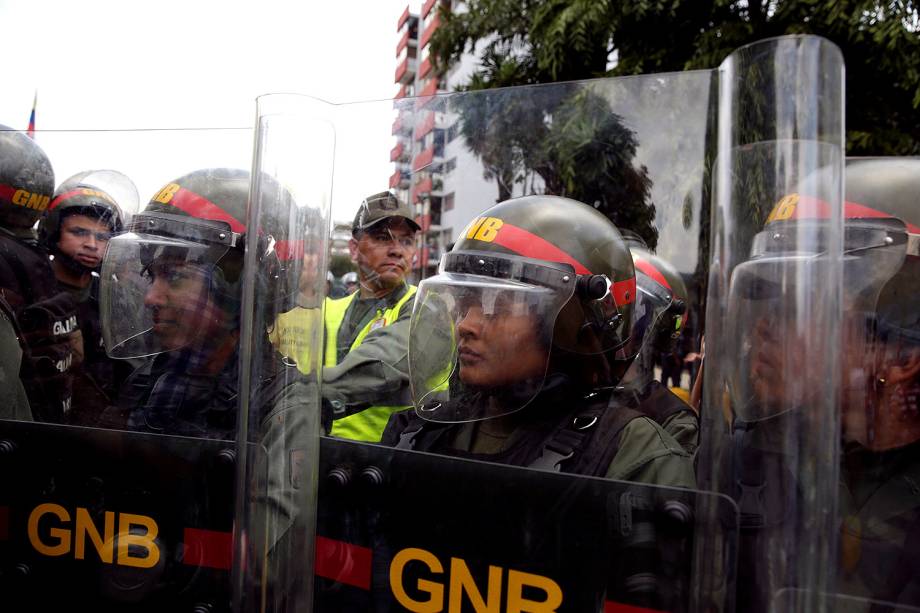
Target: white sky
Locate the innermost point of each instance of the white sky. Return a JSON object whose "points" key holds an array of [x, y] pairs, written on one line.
{"points": [[104, 64]]}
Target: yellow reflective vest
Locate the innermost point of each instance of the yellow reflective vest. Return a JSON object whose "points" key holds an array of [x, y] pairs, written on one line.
{"points": [[367, 425]]}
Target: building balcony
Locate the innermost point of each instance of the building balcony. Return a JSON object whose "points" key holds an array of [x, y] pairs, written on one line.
{"points": [[403, 43], [427, 93], [426, 35], [426, 126], [401, 127], [420, 191], [399, 179], [426, 8], [423, 159], [403, 19], [425, 68], [405, 72], [396, 152]]}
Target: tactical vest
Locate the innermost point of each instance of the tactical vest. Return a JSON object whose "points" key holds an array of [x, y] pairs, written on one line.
{"points": [[583, 442], [366, 425], [47, 321]]}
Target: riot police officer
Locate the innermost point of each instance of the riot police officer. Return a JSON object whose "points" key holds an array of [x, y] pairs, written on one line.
{"points": [[661, 313], [880, 469], [171, 292], [517, 345], [75, 230], [46, 316]]}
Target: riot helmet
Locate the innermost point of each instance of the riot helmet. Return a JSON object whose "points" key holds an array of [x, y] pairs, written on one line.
{"points": [[535, 287], [660, 312], [881, 343], [173, 278], [880, 243], [26, 180], [87, 194]]}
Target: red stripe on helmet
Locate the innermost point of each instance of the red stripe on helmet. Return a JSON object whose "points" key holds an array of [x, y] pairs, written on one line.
{"points": [[650, 270], [201, 208], [7, 191], [808, 207], [530, 245], [343, 562], [624, 292], [208, 548], [77, 192]]}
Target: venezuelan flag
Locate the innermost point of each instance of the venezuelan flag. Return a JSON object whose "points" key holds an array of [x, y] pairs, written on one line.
{"points": [[31, 130]]}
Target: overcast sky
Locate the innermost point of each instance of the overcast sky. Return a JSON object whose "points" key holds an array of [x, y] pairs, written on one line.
{"points": [[103, 64]]}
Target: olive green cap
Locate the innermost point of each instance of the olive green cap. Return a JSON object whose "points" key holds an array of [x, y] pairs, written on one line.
{"points": [[378, 207]]}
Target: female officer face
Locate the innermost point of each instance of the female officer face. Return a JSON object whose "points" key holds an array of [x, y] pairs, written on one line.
{"points": [[500, 345]]}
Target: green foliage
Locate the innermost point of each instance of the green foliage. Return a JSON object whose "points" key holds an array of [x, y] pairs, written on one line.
{"points": [[539, 41], [340, 264]]}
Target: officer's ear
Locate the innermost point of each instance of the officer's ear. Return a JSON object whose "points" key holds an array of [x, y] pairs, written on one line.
{"points": [[353, 249]]}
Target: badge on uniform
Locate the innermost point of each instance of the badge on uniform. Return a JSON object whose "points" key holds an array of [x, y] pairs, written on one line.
{"points": [[378, 323]]}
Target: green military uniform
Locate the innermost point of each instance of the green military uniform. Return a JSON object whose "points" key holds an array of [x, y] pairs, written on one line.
{"points": [[366, 368], [647, 453], [634, 449], [14, 404], [880, 525]]}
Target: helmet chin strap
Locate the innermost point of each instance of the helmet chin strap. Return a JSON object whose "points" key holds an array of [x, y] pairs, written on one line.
{"points": [[69, 263]]}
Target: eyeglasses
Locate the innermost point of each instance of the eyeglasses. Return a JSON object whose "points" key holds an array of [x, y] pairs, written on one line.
{"points": [[386, 237]]}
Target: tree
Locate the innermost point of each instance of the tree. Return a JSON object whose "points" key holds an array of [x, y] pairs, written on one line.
{"points": [[540, 41]]}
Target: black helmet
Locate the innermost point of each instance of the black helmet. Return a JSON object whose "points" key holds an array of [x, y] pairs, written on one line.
{"points": [[881, 403], [881, 285], [26, 180], [661, 310], [77, 197], [107, 195], [555, 268], [195, 225]]}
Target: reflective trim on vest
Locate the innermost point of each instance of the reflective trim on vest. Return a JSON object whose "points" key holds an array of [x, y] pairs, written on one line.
{"points": [[368, 425]]}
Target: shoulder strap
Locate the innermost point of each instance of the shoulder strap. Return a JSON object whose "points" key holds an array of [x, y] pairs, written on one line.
{"points": [[586, 442], [661, 403]]}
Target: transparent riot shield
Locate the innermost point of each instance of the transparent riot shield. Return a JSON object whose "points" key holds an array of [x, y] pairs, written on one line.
{"points": [[879, 510], [770, 415], [281, 353], [633, 152], [124, 499]]}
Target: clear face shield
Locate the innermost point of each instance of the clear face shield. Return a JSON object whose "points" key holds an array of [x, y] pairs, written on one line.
{"points": [[482, 333], [881, 341], [162, 290], [770, 292]]}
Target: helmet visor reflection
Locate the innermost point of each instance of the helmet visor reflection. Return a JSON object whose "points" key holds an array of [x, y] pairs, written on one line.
{"points": [[156, 294]]}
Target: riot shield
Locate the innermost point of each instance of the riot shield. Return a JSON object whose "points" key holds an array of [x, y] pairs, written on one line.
{"points": [[637, 151], [770, 418], [401, 530], [282, 321], [122, 508]]}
